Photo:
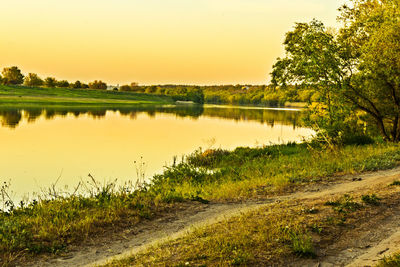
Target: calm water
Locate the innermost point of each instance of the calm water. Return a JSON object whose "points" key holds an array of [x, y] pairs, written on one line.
{"points": [[40, 145]]}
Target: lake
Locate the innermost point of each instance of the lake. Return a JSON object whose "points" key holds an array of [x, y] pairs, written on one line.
{"points": [[40, 147]]}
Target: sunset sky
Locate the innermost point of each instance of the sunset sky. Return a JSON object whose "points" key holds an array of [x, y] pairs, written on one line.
{"points": [[152, 41]]}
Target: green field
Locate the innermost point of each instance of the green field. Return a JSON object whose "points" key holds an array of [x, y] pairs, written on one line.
{"points": [[15, 96]]}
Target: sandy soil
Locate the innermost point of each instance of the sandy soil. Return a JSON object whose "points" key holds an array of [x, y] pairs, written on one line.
{"points": [[369, 246]]}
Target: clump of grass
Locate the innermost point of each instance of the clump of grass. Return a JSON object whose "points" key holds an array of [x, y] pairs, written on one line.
{"points": [[395, 183], [392, 261], [302, 244], [371, 199], [344, 205]]}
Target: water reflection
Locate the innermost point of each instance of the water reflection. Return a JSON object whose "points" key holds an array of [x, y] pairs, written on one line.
{"points": [[12, 117], [40, 143]]}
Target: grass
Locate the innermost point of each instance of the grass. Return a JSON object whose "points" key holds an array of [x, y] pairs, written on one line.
{"points": [[251, 173], [53, 223], [392, 261], [13, 96], [264, 235], [276, 235]]}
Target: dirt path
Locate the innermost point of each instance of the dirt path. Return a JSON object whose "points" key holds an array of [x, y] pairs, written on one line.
{"points": [[181, 222]]}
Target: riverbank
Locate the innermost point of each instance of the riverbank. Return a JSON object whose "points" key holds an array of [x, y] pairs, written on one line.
{"points": [[53, 224], [16, 96]]}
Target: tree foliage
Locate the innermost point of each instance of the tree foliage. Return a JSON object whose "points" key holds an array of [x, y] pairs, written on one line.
{"points": [[97, 84], [63, 84], [32, 79], [356, 71], [12, 75], [76, 85], [50, 82]]}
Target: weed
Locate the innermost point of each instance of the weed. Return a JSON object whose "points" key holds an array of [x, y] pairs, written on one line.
{"points": [[344, 205], [317, 228], [302, 244], [370, 199], [312, 210]]}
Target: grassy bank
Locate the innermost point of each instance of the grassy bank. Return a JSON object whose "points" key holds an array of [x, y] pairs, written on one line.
{"points": [[40, 96], [278, 235], [52, 223]]}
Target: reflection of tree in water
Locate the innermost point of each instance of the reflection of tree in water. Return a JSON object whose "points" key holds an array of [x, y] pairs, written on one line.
{"points": [[12, 117], [33, 114], [267, 116], [97, 114]]}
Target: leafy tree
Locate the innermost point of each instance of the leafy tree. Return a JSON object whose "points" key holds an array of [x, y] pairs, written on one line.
{"points": [[50, 82], [356, 71], [196, 95], [1, 79], [76, 85], [98, 85], [12, 75], [63, 84], [32, 79]]}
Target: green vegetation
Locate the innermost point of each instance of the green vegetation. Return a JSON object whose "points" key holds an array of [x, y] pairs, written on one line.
{"points": [[371, 199], [395, 183], [258, 95], [350, 79], [14, 96], [392, 261], [54, 222], [356, 70]]}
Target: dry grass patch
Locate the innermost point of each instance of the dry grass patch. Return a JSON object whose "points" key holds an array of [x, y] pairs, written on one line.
{"points": [[279, 234]]}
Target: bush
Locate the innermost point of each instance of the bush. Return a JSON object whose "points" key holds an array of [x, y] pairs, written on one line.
{"points": [[359, 140]]}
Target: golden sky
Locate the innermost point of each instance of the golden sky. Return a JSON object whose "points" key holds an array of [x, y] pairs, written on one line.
{"points": [[152, 41]]}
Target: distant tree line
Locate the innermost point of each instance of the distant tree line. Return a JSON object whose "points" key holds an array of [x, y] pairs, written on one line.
{"points": [[14, 76], [263, 95]]}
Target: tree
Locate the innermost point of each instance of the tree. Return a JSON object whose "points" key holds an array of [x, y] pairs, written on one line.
{"points": [[77, 85], [63, 84], [356, 71], [12, 75], [98, 85], [32, 79], [50, 82]]}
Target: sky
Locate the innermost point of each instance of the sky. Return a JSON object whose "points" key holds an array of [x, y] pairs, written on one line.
{"points": [[153, 41]]}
